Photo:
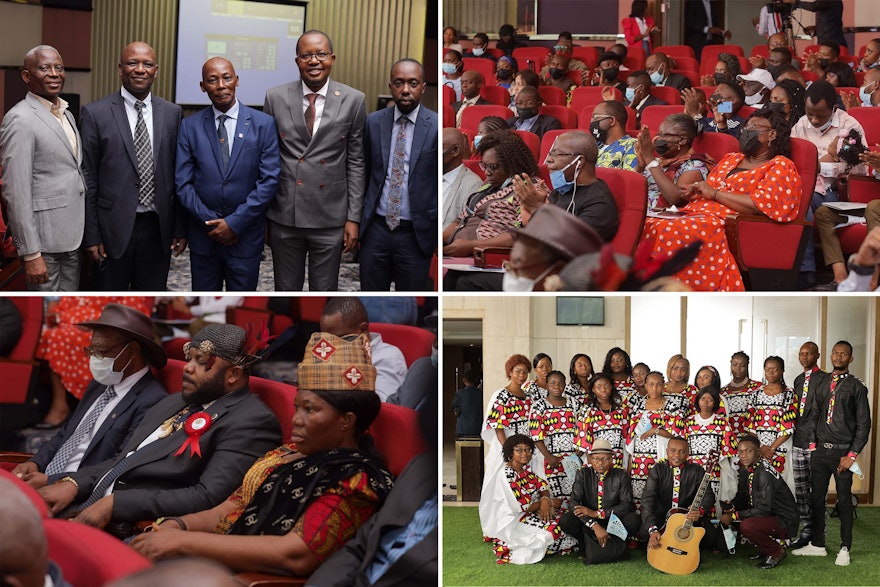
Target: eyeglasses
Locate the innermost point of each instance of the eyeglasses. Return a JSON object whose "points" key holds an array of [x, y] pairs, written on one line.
{"points": [[490, 167], [596, 117], [320, 56], [522, 450], [669, 134], [101, 353], [757, 128], [555, 154]]}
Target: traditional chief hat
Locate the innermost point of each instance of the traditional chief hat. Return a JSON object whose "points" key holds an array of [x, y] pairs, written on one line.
{"points": [[226, 341], [133, 324], [332, 363], [566, 234], [601, 446]]}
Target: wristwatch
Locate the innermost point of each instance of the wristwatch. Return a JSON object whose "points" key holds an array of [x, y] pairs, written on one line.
{"points": [[859, 269], [653, 164]]}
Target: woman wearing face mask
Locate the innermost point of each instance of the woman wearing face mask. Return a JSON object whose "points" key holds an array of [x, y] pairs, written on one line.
{"points": [[487, 125], [62, 343], [871, 59], [494, 209], [453, 67], [676, 165], [869, 96], [761, 179], [607, 72], [505, 69], [788, 97], [726, 70]]}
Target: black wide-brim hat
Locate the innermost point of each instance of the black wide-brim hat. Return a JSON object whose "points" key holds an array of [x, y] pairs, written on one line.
{"points": [[134, 324]]}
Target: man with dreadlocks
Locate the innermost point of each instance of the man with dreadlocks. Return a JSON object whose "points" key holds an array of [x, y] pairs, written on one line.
{"points": [[189, 452]]}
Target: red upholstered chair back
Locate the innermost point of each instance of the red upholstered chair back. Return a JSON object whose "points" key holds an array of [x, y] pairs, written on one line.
{"points": [[448, 95], [396, 434], [691, 75], [482, 65], [652, 116], [671, 96], [472, 115], [630, 191], [688, 64], [863, 189], [531, 140], [171, 375], [89, 557], [589, 55], [589, 96], [536, 55], [448, 113], [16, 369], [806, 159], [711, 52], [761, 51], [676, 51], [869, 118], [412, 341], [565, 115], [279, 398], [26, 489], [552, 95], [308, 309], [635, 57], [715, 144], [495, 94], [474, 165]]}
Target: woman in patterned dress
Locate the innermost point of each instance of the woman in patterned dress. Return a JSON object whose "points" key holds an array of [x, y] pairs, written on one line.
{"points": [[537, 388], [737, 395], [678, 370], [580, 372], [640, 376], [553, 426], [707, 375], [62, 343], [605, 417], [652, 421], [521, 517], [772, 418], [761, 179], [706, 430], [619, 366]]}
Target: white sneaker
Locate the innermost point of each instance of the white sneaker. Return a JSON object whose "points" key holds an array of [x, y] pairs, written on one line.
{"points": [[842, 557], [810, 550]]}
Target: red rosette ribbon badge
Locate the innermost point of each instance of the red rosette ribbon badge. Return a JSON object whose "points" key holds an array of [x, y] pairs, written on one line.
{"points": [[195, 426]]}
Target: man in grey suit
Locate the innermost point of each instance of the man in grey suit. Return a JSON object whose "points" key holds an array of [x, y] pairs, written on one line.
{"points": [[459, 182], [133, 219], [43, 187], [320, 197]]}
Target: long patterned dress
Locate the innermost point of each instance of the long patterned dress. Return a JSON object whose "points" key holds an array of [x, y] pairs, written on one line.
{"points": [[533, 390], [509, 413], [644, 452], [576, 390], [771, 416], [689, 393], [738, 404], [519, 536], [774, 188], [705, 435], [557, 427], [611, 425]]}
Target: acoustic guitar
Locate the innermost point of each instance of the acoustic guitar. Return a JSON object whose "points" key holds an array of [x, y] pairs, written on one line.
{"points": [[679, 552]]}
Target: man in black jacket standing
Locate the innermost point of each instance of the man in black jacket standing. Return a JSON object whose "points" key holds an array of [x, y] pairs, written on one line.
{"points": [[838, 427], [763, 505], [600, 491]]}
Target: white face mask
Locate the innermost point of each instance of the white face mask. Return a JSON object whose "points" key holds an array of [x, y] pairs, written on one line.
{"points": [[754, 99], [102, 369], [515, 283]]}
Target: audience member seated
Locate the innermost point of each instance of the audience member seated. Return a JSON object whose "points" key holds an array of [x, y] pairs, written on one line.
{"points": [[524, 78], [479, 44], [730, 97], [869, 93], [450, 40], [61, 346], [871, 59], [638, 95], [505, 69], [155, 473], [346, 317], [528, 101], [840, 75], [487, 125], [123, 389], [726, 70], [453, 67], [638, 28], [302, 501], [10, 326], [471, 84], [790, 72], [757, 86], [507, 39], [676, 166], [608, 72], [789, 97], [557, 75], [818, 62], [565, 63], [493, 210], [659, 67], [459, 182], [617, 150], [774, 41], [576, 189], [760, 179]]}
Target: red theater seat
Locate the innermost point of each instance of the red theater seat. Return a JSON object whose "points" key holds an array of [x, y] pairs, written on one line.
{"points": [[472, 115], [589, 96], [869, 118], [630, 191], [531, 140], [676, 51], [19, 368], [448, 95], [652, 116], [565, 115], [863, 189], [552, 95], [671, 96], [412, 341], [495, 94], [530, 57], [29, 491], [482, 65]]}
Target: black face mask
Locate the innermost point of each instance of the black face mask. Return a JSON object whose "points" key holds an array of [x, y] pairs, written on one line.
{"points": [[749, 143], [823, 63], [610, 73], [557, 73], [778, 106], [525, 113], [720, 77], [663, 147], [774, 70], [597, 132], [503, 74]]}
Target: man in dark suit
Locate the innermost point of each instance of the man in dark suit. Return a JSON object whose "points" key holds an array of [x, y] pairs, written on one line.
{"points": [[121, 352], [701, 19], [638, 94], [659, 67], [319, 202], [190, 451], [527, 118], [227, 173], [399, 226], [133, 219], [471, 84]]}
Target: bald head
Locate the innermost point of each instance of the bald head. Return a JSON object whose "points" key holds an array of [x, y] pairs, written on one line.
{"points": [[219, 82], [43, 72], [471, 82], [582, 143], [138, 68], [455, 148], [24, 555]]}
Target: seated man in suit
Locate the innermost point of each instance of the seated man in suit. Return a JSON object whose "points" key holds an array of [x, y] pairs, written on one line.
{"points": [[673, 483], [227, 174], [121, 352], [190, 451], [659, 67], [599, 492], [459, 182], [638, 94], [527, 118], [763, 505], [471, 84]]}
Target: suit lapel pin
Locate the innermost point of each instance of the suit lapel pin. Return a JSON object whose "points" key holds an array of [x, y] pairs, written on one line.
{"points": [[241, 135], [336, 93]]}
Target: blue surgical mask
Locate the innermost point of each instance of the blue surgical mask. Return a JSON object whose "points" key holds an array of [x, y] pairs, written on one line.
{"points": [[478, 51], [865, 95], [656, 77], [477, 139], [557, 178], [827, 125], [630, 94], [449, 68]]}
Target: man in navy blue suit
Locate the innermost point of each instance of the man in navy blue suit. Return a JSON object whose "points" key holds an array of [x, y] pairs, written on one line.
{"points": [[227, 173], [398, 231]]}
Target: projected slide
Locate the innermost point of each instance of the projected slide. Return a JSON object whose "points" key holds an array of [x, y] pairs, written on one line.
{"points": [[259, 38]]}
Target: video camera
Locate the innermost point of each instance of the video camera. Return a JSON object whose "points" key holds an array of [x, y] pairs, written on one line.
{"points": [[779, 7]]}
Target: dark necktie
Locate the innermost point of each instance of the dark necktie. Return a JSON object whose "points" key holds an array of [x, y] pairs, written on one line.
{"points": [[144, 151], [59, 461], [224, 140], [398, 168], [310, 113]]}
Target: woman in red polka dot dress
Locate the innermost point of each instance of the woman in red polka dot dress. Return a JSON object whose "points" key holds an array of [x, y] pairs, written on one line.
{"points": [[61, 344], [759, 180]]}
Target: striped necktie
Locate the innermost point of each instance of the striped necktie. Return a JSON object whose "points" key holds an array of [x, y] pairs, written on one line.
{"points": [[83, 431]]}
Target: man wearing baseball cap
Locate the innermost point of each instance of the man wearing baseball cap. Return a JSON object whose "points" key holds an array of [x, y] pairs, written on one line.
{"points": [[757, 86], [122, 390], [189, 453], [601, 498]]}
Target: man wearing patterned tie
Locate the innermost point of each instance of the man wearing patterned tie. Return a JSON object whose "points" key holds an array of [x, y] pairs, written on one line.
{"points": [[133, 219], [805, 386], [837, 429], [189, 452], [318, 207], [121, 352], [399, 226], [227, 173]]}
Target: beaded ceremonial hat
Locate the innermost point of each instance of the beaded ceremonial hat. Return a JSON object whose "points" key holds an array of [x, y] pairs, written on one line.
{"points": [[337, 364], [226, 341]]}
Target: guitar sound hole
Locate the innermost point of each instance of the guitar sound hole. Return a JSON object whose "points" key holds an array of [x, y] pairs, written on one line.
{"points": [[683, 534]]}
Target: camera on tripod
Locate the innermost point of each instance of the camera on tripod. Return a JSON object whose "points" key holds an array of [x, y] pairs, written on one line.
{"points": [[780, 7]]}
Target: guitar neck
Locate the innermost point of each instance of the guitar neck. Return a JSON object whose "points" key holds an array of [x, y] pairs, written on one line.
{"points": [[701, 491]]}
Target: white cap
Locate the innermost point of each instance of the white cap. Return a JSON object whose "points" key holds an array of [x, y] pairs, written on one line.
{"points": [[762, 76]]}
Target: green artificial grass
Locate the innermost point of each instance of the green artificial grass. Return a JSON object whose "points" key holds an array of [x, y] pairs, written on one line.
{"points": [[467, 560]]}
